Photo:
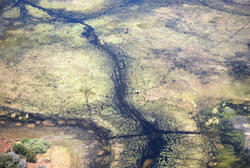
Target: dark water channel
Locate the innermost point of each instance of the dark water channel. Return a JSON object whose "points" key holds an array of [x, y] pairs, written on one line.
{"points": [[119, 75], [119, 78]]}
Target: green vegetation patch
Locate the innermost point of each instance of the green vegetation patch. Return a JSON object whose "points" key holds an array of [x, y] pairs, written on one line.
{"points": [[38, 145], [30, 147]]}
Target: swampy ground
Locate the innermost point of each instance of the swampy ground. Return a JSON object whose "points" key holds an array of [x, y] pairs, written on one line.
{"points": [[134, 83]]}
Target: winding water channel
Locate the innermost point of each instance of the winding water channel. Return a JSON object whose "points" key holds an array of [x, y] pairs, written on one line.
{"points": [[119, 77]]}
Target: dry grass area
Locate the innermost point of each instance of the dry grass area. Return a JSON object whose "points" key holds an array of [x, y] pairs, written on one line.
{"points": [[37, 13], [83, 6], [53, 81], [56, 156], [73, 5]]}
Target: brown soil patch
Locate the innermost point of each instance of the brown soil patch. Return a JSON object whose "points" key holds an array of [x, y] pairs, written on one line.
{"points": [[18, 124], [5, 144], [30, 125]]}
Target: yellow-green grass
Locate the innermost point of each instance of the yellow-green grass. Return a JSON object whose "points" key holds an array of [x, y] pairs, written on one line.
{"points": [[36, 12], [84, 6], [51, 68]]}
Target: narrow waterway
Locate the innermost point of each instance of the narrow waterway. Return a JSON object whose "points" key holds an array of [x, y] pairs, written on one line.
{"points": [[119, 78]]}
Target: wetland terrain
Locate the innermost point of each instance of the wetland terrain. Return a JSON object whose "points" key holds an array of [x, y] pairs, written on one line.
{"points": [[127, 83]]}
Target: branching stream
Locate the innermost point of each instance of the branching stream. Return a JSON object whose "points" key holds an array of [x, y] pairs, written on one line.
{"points": [[119, 75]]}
